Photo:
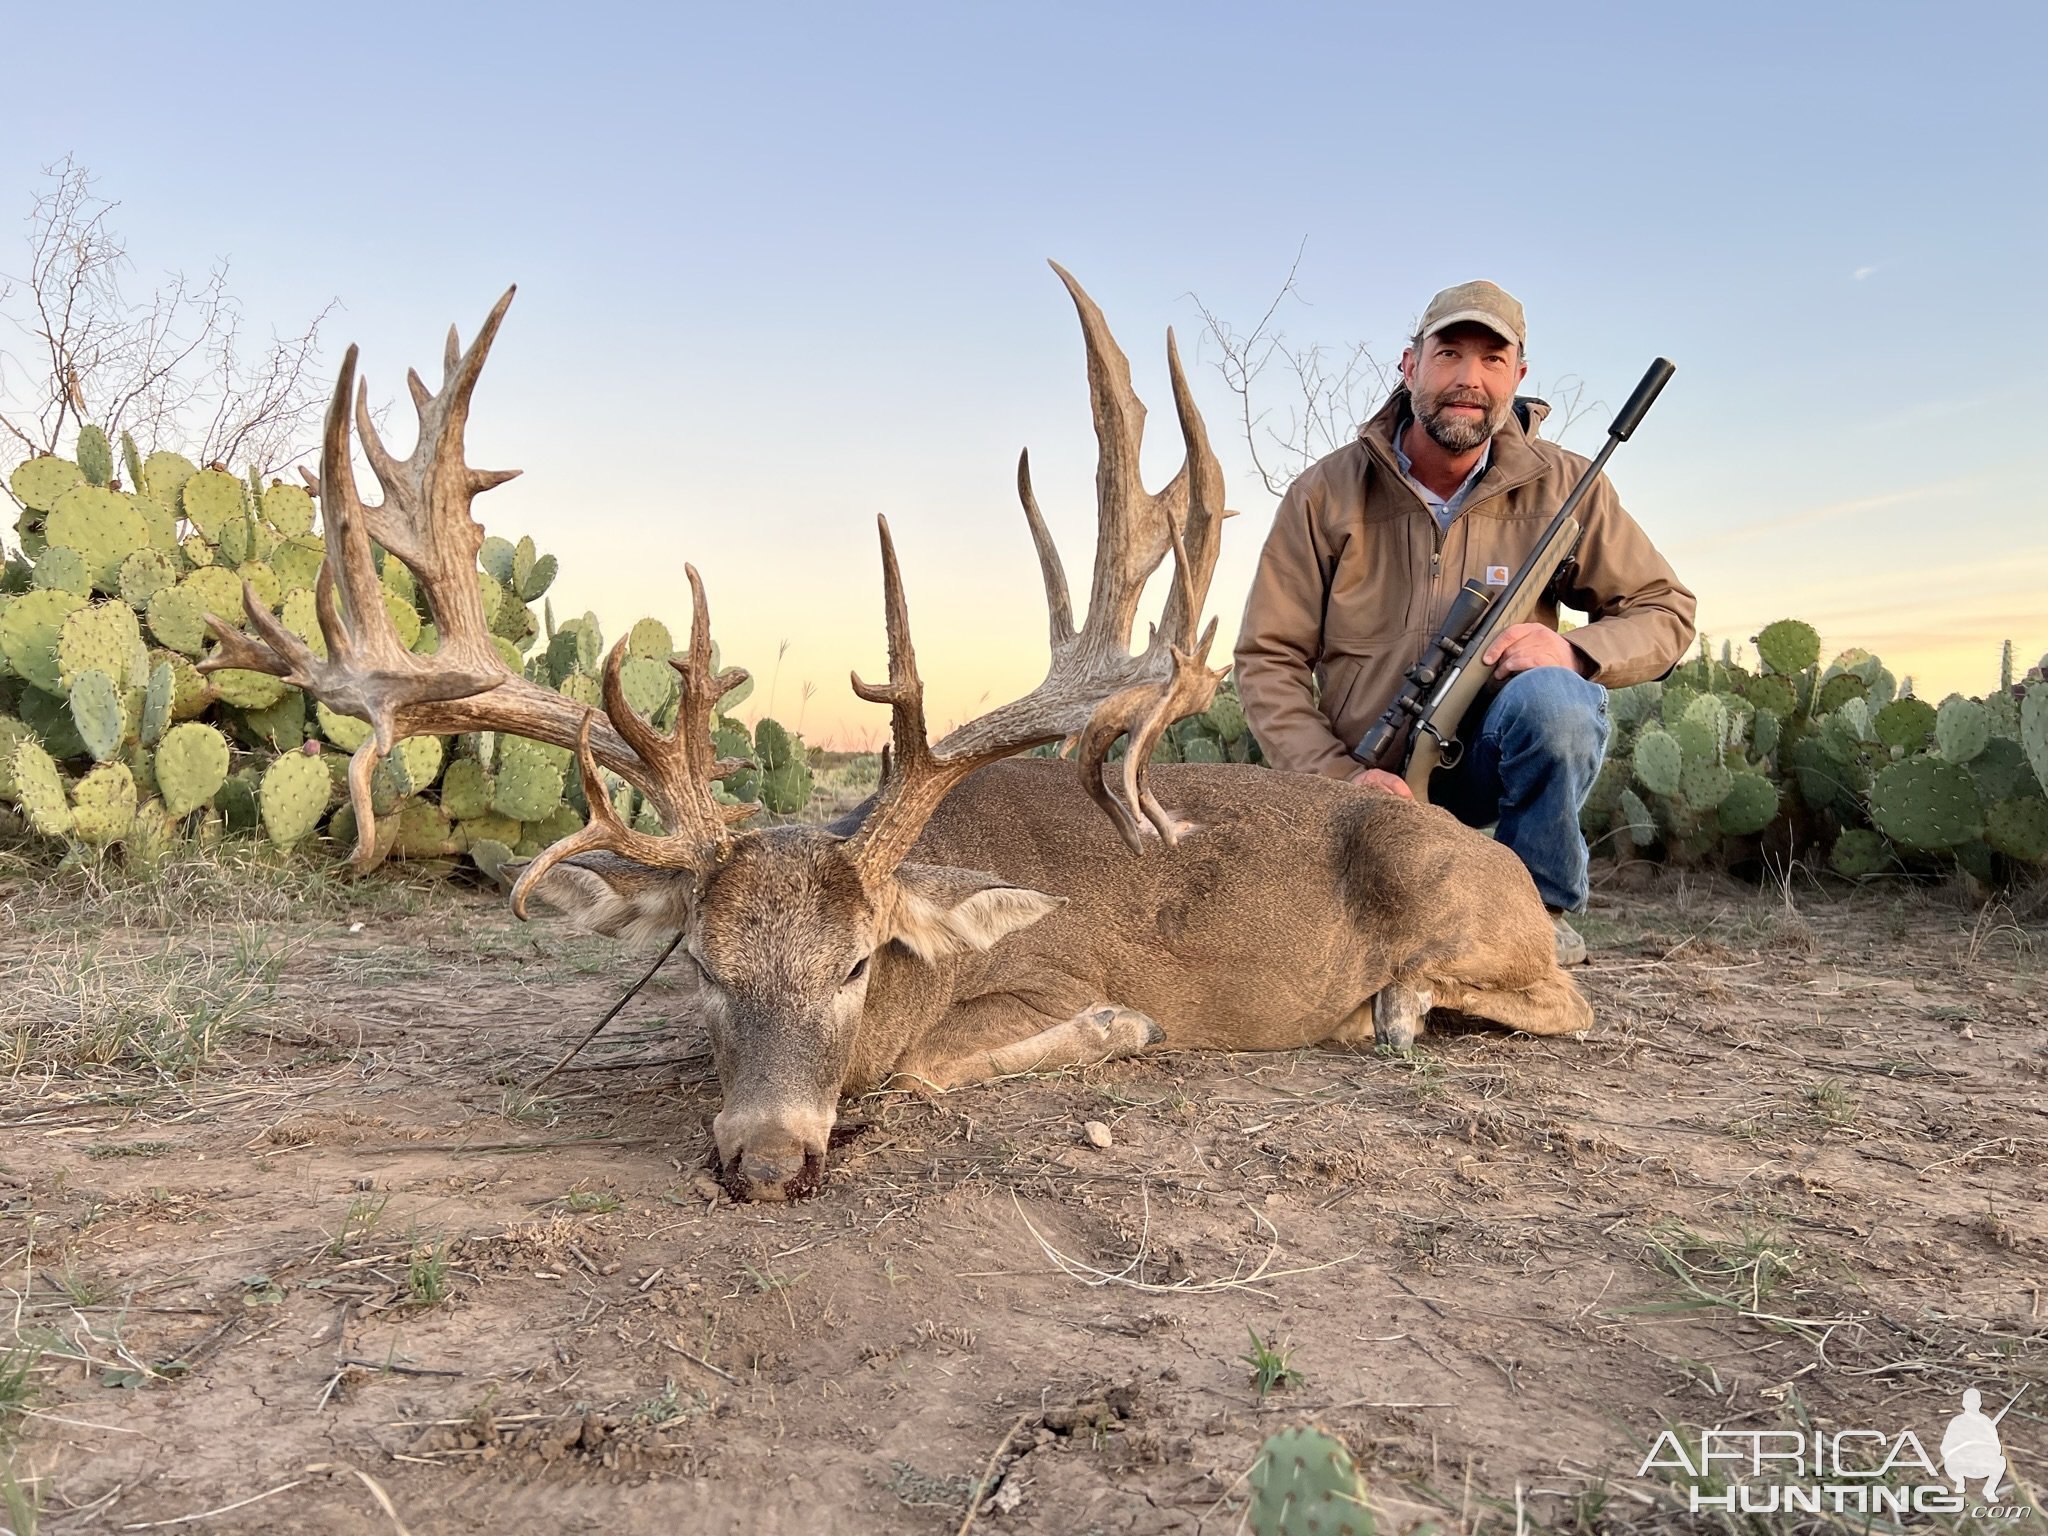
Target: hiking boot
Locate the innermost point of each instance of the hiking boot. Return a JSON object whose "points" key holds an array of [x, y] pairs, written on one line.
{"points": [[1571, 949]]}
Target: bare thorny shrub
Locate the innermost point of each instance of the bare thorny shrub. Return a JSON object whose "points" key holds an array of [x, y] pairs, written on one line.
{"points": [[1297, 402], [175, 369]]}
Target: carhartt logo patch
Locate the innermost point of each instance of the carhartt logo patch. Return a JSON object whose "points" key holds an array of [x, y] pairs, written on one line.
{"points": [[1496, 575]]}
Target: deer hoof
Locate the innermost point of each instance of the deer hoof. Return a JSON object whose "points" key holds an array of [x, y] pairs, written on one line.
{"points": [[1397, 1016]]}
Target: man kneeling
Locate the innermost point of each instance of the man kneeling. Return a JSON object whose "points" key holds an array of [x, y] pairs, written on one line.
{"points": [[1447, 483]]}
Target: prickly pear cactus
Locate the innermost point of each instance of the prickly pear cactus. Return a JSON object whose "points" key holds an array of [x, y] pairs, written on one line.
{"points": [[1305, 1484], [295, 792], [39, 789], [191, 766], [1859, 852], [1926, 804], [1788, 646], [1659, 761], [1962, 727], [2033, 729], [103, 805]]}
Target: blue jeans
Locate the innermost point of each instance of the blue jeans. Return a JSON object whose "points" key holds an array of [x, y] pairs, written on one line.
{"points": [[1530, 767]]}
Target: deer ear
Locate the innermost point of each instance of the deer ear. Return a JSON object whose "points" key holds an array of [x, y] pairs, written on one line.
{"points": [[604, 893], [940, 911]]}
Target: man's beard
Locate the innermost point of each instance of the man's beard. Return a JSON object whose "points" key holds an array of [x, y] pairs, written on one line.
{"points": [[1460, 434]]}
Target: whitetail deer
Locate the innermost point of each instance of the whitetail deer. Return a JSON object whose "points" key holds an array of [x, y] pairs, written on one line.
{"points": [[976, 917]]}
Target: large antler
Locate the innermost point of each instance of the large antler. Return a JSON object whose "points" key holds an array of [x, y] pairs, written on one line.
{"points": [[362, 667], [1095, 689]]}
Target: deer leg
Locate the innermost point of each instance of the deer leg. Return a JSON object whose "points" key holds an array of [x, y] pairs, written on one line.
{"points": [[1399, 1012], [1103, 1032]]}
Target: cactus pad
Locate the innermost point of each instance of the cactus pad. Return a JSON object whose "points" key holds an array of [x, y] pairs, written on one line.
{"points": [[297, 562], [2034, 730], [1859, 852], [423, 832], [1788, 646], [177, 618], [2019, 829], [416, 764], [466, 789], [1658, 761], [527, 785], [648, 685], [650, 640], [103, 805], [296, 789], [1961, 728], [159, 694], [1750, 805], [164, 475], [289, 510], [534, 583], [191, 766], [2002, 773], [60, 568], [1704, 783], [1904, 723], [95, 456], [103, 526], [489, 854], [280, 726], [104, 638], [785, 790], [211, 499], [12, 734], [584, 690], [143, 574], [1636, 818], [263, 581], [345, 731], [39, 788], [30, 628], [1839, 690], [96, 711], [38, 483], [1926, 804], [247, 690], [1304, 1484]]}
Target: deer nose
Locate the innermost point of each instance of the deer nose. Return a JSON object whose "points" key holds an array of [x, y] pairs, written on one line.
{"points": [[783, 1172]]}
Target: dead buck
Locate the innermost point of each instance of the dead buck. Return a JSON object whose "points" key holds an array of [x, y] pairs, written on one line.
{"points": [[981, 914]]}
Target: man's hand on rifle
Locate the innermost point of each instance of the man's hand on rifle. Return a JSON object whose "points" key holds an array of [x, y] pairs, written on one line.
{"points": [[1379, 778], [1522, 646]]}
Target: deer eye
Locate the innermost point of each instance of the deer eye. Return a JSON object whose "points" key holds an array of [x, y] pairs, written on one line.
{"points": [[860, 969]]}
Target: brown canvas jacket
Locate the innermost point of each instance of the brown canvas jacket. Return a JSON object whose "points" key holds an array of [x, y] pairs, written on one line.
{"points": [[1355, 578]]}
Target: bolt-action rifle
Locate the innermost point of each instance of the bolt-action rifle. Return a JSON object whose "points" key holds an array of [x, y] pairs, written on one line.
{"points": [[1419, 731]]}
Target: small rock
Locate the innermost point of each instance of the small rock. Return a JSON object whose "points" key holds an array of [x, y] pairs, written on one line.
{"points": [[1097, 1134]]}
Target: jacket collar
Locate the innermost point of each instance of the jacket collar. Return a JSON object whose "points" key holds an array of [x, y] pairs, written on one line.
{"points": [[1515, 461]]}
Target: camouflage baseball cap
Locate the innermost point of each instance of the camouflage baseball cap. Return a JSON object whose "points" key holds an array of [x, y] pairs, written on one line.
{"points": [[1482, 303]]}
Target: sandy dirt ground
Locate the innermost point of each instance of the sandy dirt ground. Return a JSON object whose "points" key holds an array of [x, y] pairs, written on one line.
{"points": [[285, 1246]]}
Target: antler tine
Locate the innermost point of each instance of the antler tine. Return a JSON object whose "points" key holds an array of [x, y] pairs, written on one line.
{"points": [[1131, 523], [684, 763], [1095, 690], [1059, 604], [1203, 537]]}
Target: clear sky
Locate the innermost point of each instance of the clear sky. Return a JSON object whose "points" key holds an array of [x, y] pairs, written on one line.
{"points": [[781, 268]]}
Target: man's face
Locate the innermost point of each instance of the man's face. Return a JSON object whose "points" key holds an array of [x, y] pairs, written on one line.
{"points": [[1462, 384]]}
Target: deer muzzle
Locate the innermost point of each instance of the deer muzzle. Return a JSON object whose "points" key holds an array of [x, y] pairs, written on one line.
{"points": [[771, 1155]]}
